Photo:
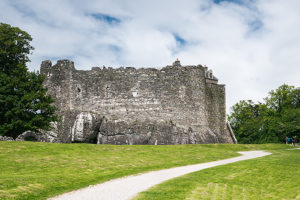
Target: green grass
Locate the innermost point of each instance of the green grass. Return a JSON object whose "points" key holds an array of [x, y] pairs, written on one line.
{"points": [[33, 170], [276, 176]]}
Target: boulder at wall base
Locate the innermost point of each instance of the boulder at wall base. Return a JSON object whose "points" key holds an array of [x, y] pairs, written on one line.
{"points": [[86, 127], [30, 136], [41, 135], [74, 127], [5, 138]]}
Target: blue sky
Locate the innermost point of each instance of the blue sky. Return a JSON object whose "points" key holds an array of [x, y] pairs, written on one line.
{"points": [[241, 2], [106, 18], [251, 45]]}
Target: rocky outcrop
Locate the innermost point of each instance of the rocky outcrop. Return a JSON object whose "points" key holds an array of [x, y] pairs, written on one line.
{"points": [[86, 127], [41, 135], [121, 132], [31, 136], [5, 138]]}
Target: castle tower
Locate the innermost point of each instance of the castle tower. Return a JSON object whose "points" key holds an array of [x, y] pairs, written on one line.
{"points": [[137, 106]]}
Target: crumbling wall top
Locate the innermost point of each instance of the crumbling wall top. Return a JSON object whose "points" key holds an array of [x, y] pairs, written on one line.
{"points": [[68, 65], [209, 77]]}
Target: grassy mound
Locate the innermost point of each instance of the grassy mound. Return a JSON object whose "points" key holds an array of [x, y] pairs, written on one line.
{"points": [[33, 170]]}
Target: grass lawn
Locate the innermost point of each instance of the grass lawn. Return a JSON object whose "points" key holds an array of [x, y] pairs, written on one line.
{"points": [[276, 176], [33, 170]]}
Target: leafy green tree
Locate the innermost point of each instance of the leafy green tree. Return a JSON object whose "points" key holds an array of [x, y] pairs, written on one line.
{"points": [[268, 122], [280, 99], [246, 121], [24, 104], [283, 110], [296, 98]]}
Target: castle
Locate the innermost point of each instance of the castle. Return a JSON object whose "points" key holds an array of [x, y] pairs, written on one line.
{"points": [[174, 105]]}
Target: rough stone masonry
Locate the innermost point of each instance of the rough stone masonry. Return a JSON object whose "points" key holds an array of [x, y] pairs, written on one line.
{"points": [[174, 105]]}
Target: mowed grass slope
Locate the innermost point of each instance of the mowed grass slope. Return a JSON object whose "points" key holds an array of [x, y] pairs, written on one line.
{"points": [[32, 170], [276, 176]]}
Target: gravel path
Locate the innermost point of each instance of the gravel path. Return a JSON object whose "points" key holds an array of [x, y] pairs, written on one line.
{"points": [[130, 186]]}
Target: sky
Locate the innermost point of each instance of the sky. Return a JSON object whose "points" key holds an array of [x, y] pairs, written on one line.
{"points": [[252, 46]]}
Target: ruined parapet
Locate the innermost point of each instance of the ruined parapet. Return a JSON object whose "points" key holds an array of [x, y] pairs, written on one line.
{"points": [[209, 77], [172, 105], [176, 63], [46, 67]]}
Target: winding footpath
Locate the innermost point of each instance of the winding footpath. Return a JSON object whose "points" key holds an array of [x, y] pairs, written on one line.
{"points": [[130, 186]]}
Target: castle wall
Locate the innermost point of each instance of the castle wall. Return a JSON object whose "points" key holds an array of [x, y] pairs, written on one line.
{"points": [[173, 105], [216, 111]]}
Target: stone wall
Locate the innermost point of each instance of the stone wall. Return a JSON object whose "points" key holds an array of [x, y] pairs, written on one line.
{"points": [[174, 105]]}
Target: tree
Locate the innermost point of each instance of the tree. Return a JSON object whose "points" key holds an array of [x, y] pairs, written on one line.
{"points": [[24, 104], [284, 111], [268, 122], [246, 121], [280, 99]]}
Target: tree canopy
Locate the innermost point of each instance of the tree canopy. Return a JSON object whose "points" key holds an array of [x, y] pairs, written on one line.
{"points": [[24, 104], [271, 121]]}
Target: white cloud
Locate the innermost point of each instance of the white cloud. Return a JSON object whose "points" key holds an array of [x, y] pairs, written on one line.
{"points": [[252, 48]]}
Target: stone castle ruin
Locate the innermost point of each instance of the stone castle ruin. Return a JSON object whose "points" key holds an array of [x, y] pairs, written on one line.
{"points": [[174, 105]]}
